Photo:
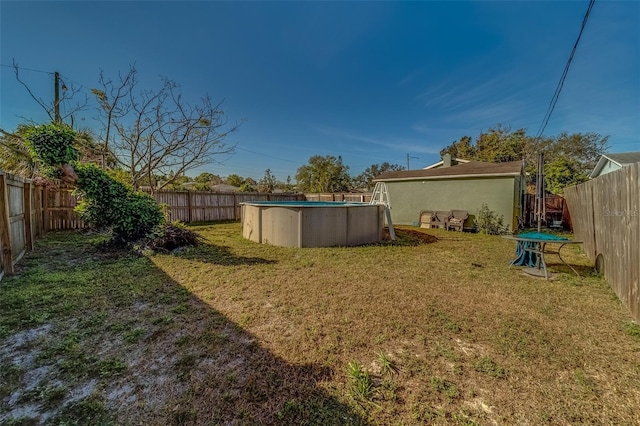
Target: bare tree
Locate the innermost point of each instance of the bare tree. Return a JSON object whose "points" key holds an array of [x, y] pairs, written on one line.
{"points": [[157, 132], [114, 104]]}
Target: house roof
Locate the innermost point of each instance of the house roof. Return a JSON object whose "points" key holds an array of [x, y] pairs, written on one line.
{"points": [[223, 187], [621, 159], [464, 170], [441, 162]]}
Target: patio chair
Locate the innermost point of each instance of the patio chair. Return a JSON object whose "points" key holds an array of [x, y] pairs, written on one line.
{"points": [[441, 219], [457, 220], [426, 218]]}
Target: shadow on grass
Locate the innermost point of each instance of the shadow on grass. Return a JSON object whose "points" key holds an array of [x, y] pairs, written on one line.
{"points": [[229, 378], [220, 255], [123, 342]]}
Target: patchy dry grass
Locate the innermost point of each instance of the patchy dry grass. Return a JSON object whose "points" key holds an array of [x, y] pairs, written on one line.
{"points": [[424, 330]]}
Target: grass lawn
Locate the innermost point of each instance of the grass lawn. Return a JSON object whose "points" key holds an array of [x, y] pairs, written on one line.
{"points": [[233, 332]]}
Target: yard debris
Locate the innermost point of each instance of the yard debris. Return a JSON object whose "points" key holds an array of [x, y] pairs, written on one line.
{"points": [[411, 237], [172, 237]]}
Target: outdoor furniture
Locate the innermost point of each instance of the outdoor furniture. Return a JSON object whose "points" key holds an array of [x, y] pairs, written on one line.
{"points": [[441, 219], [456, 221], [426, 218], [531, 249]]}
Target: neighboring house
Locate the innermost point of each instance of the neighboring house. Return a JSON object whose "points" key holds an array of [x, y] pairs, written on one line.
{"points": [[223, 187], [611, 162], [462, 186]]}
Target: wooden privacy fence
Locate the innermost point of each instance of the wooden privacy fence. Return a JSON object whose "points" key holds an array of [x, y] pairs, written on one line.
{"points": [[606, 216], [555, 210], [351, 197], [28, 211], [202, 206], [20, 219]]}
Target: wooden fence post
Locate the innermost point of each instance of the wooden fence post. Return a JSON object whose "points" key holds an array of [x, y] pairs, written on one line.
{"points": [[189, 204], [5, 230], [235, 206]]}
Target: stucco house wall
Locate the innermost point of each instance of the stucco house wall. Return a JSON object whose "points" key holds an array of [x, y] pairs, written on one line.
{"points": [[456, 185], [609, 167], [409, 198]]}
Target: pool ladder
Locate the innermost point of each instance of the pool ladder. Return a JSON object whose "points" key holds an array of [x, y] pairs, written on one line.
{"points": [[381, 196]]}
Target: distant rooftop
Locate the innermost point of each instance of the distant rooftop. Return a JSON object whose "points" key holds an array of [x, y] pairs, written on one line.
{"points": [[622, 159], [470, 169]]}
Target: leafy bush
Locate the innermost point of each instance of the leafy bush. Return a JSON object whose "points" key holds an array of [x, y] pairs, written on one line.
{"points": [[52, 145], [109, 203], [488, 222], [106, 201]]}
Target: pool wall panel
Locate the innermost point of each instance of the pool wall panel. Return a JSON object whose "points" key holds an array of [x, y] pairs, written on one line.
{"points": [[251, 223], [280, 226], [365, 225], [324, 227], [312, 225]]}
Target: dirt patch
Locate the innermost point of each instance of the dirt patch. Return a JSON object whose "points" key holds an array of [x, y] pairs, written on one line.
{"points": [[409, 236]]}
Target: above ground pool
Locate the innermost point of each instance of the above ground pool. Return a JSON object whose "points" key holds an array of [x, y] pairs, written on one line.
{"points": [[312, 223]]}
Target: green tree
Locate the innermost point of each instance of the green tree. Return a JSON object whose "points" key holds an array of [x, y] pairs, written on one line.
{"points": [[247, 187], [584, 148], [204, 181], [365, 179], [175, 183], [500, 144], [565, 155], [323, 174], [464, 148], [268, 182], [234, 180], [562, 172], [286, 186], [209, 178]]}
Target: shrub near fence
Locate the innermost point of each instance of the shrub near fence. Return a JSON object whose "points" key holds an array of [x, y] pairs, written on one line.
{"points": [[606, 217]]}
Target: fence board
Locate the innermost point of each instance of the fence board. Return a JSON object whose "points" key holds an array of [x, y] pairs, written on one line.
{"points": [[15, 187], [606, 216], [59, 213], [6, 264]]}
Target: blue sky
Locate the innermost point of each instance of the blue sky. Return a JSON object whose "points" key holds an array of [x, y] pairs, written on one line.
{"points": [[370, 81]]}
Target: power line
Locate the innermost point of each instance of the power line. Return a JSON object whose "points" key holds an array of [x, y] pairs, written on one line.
{"points": [[554, 99], [267, 155], [26, 69], [82, 86]]}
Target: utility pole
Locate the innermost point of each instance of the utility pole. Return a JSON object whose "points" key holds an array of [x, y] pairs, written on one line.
{"points": [[56, 97], [408, 158]]}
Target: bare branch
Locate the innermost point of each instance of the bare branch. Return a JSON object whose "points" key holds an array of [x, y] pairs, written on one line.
{"points": [[158, 132], [40, 102]]}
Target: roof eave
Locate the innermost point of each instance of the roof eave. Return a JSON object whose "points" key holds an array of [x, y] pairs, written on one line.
{"points": [[476, 175]]}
